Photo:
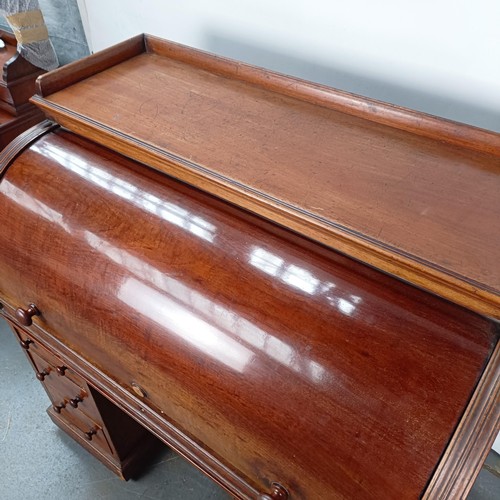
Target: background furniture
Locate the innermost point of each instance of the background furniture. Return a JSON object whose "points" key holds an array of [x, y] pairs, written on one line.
{"points": [[16, 87]]}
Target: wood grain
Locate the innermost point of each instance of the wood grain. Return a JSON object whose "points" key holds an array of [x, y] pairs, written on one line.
{"points": [[264, 357], [75, 71], [21, 141], [418, 205], [384, 113]]}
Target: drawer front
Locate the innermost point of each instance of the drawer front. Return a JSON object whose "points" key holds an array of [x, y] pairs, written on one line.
{"points": [[63, 386], [87, 429], [63, 391], [45, 360], [69, 393]]}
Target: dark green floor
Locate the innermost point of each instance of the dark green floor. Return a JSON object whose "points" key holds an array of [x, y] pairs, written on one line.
{"points": [[37, 461]]}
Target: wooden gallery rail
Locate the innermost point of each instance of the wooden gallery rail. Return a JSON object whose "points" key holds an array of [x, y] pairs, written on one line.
{"points": [[295, 288]]}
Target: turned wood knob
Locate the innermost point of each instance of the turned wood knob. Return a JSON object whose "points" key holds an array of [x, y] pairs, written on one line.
{"points": [[24, 315], [41, 375], [138, 390], [59, 407], [25, 344], [278, 492], [61, 370], [74, 402], [90, 434]]}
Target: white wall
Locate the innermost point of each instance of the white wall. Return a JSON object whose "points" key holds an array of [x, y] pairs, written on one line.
{"points": [[439, 56]]}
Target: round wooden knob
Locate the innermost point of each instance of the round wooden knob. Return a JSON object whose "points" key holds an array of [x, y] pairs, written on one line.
{"points": [[41, 375], [59, 407], [90, 434], [278, 492], [25, 344], [24, 315], [61, 370], [138, 390], [74, 402]]}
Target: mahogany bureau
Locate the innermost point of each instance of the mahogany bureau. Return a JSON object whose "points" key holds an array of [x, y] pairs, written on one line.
{"points": [[295, 288], [17, 85]]}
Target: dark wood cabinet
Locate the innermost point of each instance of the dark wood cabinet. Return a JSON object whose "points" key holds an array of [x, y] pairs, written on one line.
{"points": [[17, 85], [81, 411], [280, 281]]}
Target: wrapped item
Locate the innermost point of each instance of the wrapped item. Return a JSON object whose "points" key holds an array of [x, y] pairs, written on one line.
{"points": [[26, 20]]}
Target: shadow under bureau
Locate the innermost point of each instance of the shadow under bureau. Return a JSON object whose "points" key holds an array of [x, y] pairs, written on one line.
{"points": [[154, 277]]}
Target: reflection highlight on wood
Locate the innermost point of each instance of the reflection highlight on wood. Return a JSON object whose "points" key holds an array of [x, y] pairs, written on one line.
{"points": [[253, 316], [397, 189]]}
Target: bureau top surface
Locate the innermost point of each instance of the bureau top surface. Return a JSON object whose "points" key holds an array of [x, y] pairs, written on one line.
{"points": [[426, 208]]}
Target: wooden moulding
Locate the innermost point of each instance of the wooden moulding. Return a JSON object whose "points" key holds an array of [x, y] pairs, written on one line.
{"points": [[462, 461], [22, 141], [442, 168], [12, 126]]}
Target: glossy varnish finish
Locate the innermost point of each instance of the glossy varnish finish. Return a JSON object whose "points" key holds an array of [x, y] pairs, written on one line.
{"points": [[286, 361], [410, 194]]}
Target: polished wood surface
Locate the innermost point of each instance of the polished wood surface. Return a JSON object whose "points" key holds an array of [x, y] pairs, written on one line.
{"points": [[412, 195], [473, 438], [21, 141], [285, 361]]}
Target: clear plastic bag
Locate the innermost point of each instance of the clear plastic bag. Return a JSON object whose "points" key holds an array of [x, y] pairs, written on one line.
{"points": [[33, 42]]}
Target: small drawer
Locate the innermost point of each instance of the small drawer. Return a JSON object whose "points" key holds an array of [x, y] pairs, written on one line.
{"points": [[32, 346], [80, 399], [57, 372], [61, 383], [86, 428]]}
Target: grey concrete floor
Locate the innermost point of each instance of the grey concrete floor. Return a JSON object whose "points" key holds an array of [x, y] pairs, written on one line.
{"points": [[38, 461]]}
